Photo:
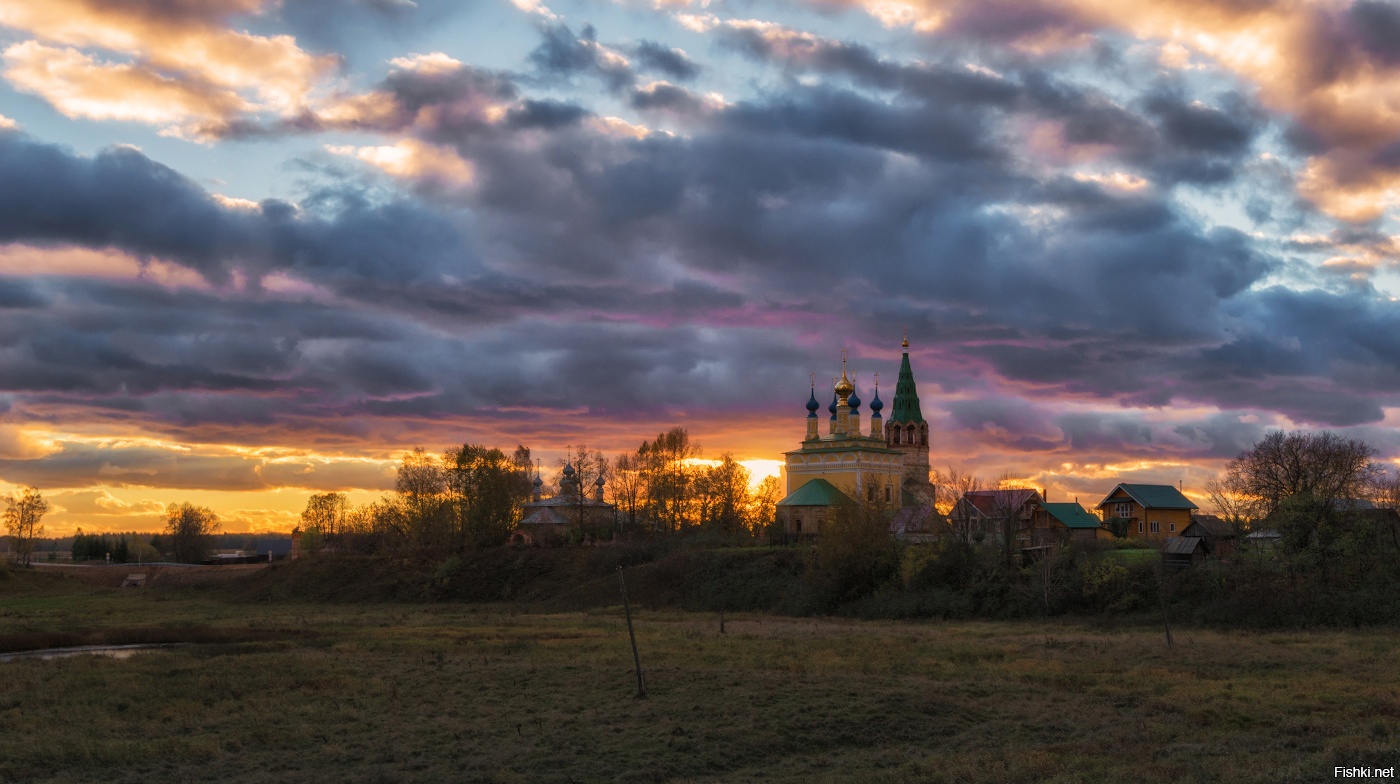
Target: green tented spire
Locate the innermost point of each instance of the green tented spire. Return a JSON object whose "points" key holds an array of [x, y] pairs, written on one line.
{"points": [[906, 397]]}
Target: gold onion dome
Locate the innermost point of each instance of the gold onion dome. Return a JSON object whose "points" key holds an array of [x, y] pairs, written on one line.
{"points": [[844, 387]]}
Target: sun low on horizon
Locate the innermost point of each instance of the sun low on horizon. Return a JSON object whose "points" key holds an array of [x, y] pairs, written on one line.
{"points": [[254, 250]]}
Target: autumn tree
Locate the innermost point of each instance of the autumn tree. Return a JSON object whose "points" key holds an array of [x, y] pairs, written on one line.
{"points": [[22, 516], [722, 496], [485, 490], [323, 518], [190, 530], [763, 504], [670, 477], [420, 514]]}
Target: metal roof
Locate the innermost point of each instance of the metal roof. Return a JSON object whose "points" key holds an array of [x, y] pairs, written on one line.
{"points": [[817, 492], [1152, 496], [1072, 515], [1181, 545]]}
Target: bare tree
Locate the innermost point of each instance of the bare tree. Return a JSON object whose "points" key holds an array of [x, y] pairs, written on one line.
{"points": [[22, 516], [191, 531], [952, 489], [1303, 481], [627, 486], [1323, 467], [1231, 499]]}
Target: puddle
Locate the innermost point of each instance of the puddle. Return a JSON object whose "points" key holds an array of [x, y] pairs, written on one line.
{"points": [[110, 651]]}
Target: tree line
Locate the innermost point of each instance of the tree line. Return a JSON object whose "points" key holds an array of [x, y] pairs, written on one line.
{"points": [[472, 497]]}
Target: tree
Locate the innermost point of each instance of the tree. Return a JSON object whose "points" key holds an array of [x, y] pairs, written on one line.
{"points": [[854, 555], [722, 493], [324, 516], [1302, 481], [951, 488], [763, 505], [422, 486], [1231, 499], [670, 475], [627, 486], [191, 531], [485, 490], [22, 516]]}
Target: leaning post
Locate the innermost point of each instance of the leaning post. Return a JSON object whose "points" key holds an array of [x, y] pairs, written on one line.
{"points": [[636, 659]]}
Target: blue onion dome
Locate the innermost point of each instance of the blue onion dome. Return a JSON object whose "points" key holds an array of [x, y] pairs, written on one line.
{"points": [[599, 483], [832, 407], [812, 404], [875, 405], [853, 401], [568, 469], [538, 482]]}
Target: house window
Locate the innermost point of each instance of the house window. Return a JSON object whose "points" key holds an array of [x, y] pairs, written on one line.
{"points": [[1139, 526], [1122, 510], [870, 492], [887, 494], [1156, 527], [1172, 527], [798, 523]]}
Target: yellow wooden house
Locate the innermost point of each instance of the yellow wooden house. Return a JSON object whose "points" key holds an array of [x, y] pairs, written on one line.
{"points": [[1147, 511]]}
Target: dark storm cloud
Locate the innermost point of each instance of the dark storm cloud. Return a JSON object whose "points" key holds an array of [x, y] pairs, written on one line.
{"points": [[19, 294], [668, 61], [122, 199], [563, 54]]}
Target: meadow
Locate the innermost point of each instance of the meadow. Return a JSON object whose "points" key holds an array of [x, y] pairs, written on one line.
{"points": [[289, 691]]}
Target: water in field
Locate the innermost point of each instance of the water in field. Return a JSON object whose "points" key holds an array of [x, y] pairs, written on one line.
{"points": [[110, 651]]}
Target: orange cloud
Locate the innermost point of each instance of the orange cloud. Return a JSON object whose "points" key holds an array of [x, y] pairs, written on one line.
{"points": [[80, 86], [185, 67], [414, 160]]}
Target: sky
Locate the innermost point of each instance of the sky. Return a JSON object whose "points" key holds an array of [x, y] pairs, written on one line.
{"points": [[252, 250]]}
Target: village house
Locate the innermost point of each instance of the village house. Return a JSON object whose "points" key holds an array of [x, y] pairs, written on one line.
{"points": [[1219, 538], [1146, 511], [993, 514], [1069, 522]]}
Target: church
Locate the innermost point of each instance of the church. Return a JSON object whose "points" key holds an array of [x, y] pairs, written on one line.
{"points": [[886, 465]]}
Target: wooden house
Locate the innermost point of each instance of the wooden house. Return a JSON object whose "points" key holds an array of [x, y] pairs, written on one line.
{"points": [[1219, 537], [1147, 511], [1069, 521], [990, 514]]}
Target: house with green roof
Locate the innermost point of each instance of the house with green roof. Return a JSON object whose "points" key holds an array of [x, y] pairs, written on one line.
{"points": [[1072, 521], [1146, 511]]}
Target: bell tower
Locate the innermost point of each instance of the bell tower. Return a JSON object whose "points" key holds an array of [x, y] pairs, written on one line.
{"points": [[907, 432]]}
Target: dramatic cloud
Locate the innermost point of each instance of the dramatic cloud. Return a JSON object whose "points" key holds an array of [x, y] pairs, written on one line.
{"points": [[588, 234]]}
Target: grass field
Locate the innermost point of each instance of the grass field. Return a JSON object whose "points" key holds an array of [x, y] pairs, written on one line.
{"points": [[453, 692]]}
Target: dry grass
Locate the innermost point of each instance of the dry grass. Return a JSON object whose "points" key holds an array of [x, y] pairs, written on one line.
{"points": [[383, 693]]}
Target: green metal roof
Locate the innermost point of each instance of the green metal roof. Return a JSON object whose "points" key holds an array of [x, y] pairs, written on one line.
{"points": [[1072, 515], [817, 492], [1154, 496]]}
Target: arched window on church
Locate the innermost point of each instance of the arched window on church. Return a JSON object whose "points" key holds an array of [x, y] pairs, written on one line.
{"points": [[887, 494]]}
